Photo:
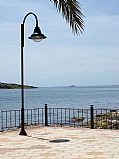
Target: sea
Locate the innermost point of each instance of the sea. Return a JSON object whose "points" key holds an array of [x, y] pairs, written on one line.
{"points": [[80, 97]]}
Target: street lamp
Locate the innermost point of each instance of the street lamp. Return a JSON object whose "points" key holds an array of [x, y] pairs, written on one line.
{"points": [[37, 36]]}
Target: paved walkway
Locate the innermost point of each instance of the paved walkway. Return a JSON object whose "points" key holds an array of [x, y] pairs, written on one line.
{"points": [[84, 144]]}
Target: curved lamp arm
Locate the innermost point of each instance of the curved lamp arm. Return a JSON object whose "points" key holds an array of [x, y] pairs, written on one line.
{"points": [[34, 16]]}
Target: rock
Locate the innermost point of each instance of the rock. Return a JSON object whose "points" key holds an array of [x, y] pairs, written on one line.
{"points": [[77, 119]]}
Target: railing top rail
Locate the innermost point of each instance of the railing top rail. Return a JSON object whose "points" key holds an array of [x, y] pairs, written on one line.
{"points": [[105, 109], [10, 110], [70, 108], [32, 108], [78, 109]]}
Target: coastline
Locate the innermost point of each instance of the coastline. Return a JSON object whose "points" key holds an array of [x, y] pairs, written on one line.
{"points": [[14, 86]]}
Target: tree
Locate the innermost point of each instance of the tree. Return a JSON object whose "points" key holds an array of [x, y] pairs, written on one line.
{"points": [[71, 12]]}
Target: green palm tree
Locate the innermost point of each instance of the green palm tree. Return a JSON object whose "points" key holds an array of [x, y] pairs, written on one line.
{"points": [[72, 13]]}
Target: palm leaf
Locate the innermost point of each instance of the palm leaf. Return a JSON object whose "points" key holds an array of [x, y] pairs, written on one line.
{"points": [[71, 11]]}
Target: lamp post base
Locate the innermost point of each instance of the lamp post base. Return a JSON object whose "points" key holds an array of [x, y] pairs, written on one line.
{"points": [[23, 132]]}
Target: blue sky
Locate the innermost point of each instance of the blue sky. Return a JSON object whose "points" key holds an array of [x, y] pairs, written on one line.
{"points": [[62, 59]]}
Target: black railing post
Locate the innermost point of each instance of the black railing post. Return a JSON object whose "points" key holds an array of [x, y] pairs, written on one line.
{"points": [[46, 115], [92, 116]]}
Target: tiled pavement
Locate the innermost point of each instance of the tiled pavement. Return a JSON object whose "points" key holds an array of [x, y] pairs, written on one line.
{"points": [[84, 144]]}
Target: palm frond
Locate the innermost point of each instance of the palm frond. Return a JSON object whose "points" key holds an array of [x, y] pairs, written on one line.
{"points": [[72, 13]]}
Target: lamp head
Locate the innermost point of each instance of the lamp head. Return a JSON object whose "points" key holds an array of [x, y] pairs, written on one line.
{"points": [[37, 36]]}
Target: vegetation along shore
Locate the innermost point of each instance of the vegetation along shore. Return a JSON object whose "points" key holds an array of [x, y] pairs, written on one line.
{"points": [[14, 86]]}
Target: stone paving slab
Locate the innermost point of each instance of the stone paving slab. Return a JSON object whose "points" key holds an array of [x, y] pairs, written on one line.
{"points": [[84, 143]]}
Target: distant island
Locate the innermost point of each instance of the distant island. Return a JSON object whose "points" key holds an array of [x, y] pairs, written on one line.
{"points": [[14, 86], [72, 86]]}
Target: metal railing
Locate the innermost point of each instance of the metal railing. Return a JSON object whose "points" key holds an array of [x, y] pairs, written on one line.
{"points": [[91, 118], [106, 118], [12, 119], [68, 116]]}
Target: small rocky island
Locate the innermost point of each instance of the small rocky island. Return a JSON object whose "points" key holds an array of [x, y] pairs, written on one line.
{"points": [[72, 85], [14, 86]]}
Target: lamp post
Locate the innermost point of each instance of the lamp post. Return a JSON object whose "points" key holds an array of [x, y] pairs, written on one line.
{"points": [[37, 36]]}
